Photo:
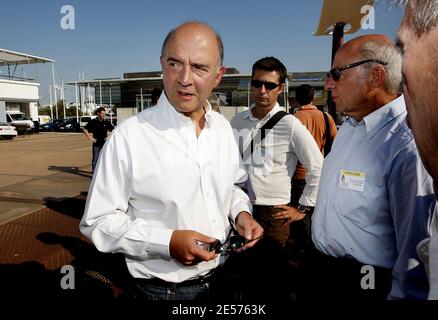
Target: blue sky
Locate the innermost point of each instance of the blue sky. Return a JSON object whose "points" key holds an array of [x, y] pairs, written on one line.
{"points": [[113, 37]]}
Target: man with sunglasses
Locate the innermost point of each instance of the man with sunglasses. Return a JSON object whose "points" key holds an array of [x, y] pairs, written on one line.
{"points": [[418, 40], [274, 159], [374, 196]]}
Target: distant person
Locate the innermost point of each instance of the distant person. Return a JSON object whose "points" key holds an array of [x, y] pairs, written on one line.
{"points": [[215, 102], [99, 127], [418, 39], [323, 129], [168, 178], [375, 196]]}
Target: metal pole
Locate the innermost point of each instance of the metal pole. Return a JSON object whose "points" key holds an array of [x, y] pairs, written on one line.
{"points": [[111, 106], [337, 41], [54, 90], [63, 97], [77, 103], [51, 102], [141, 98], [100, 92]]}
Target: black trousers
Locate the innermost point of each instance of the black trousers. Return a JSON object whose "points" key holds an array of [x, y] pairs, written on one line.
{"points": [[325, 277]]}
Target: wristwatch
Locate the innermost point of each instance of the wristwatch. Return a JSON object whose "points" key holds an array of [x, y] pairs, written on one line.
{"points": [[303, 209]]}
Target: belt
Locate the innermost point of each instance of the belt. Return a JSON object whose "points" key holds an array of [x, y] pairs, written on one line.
{"points": [[188, 283]]}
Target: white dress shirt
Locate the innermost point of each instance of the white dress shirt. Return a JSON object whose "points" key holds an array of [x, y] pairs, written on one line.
{"points": [[375, 196], [275, 158], [154, 176]]}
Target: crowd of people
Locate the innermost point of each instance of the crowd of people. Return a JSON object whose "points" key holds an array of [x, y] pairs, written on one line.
{"points": [[206, 209]]}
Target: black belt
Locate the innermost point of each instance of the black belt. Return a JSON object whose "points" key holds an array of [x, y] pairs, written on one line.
{"points": [[188, 283]]}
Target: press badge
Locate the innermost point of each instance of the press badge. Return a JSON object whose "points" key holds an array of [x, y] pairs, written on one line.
{"points": [[352, 180]]}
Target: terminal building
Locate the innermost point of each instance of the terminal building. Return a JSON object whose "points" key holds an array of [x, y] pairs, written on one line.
{"points": [[19, 94], [134, 92]]}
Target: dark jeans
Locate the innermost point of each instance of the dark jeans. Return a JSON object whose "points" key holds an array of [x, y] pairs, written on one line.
{"points": [[151, 291], [96, 151], [323, 277]]}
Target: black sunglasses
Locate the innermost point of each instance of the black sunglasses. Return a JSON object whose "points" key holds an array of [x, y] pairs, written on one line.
{"points": [[335, 73], [268, 85]]}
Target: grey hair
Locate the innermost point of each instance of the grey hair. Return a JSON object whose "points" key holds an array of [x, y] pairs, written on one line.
{"points": [[386, 52], [424, 14], [220, 44]]}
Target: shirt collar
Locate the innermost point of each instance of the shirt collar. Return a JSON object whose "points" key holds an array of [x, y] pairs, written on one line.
{"points": [[176, 117], [274, 110], [379, 118], [308, 107]]}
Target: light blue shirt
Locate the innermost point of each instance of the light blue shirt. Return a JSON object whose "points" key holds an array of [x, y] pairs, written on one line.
{"points": [[376, 210]]}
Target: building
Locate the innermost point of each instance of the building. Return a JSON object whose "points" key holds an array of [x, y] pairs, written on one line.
{"points": [[18, 94], [134, 92]]}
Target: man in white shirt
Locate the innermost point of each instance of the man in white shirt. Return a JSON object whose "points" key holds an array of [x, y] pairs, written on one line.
{"points": [[167, 180], [418, 40], [274, 159], [272, 165]]}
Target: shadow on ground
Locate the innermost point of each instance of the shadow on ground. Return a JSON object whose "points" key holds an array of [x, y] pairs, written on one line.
{"points": [[72, 170]]}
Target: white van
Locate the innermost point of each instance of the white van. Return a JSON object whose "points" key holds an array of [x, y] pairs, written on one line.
{"points": [[22, 123], [84, 120]]}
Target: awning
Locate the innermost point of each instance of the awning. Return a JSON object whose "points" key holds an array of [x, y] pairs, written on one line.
{"points": [[8, 57], [347, 11]]}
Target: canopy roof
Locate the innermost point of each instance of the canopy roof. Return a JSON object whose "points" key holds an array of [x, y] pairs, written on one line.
{"points": [[8, 57], [347, 11]]}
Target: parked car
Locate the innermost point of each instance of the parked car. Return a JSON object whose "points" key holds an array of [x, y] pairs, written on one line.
{"points": [[69, 124], [51, 125], [7, 131]]}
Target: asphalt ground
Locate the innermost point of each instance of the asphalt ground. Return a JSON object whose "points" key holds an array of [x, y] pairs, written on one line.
{"points": [[44, 180]]}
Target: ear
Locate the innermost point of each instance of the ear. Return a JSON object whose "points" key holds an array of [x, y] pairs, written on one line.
{"points": [[219, 75], [161, 61], [378, 78], [282, 86]]}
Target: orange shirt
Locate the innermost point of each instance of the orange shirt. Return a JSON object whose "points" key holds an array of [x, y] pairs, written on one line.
{"points": [[313, 120]]}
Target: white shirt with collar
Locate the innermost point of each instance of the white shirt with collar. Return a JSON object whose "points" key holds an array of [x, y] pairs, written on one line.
{"points": [[276, 157], [154, 176]]}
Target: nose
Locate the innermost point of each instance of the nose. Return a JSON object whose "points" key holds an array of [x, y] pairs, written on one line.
{"points": [[186, 76], [262, 89], [329, 83]]}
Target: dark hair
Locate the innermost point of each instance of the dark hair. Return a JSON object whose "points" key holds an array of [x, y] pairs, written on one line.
{"points": [[220, 45], [304, 94], [100, 109], [270, 64]]}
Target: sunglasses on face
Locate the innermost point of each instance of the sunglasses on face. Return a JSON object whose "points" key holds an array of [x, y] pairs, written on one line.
{"points": [[335, 73], [268, 85]]}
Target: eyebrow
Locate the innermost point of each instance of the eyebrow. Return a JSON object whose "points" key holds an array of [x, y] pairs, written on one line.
{"points": [[170, 59]]}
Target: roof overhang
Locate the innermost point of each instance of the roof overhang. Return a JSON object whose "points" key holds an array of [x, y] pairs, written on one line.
{"points": [[346, 11], [8, 57]]}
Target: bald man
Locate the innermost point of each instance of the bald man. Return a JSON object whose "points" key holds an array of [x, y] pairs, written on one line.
{"points": [[167, 184], [375, 196]]}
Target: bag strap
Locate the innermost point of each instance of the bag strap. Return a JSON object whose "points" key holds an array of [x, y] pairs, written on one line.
{"points": [[328, 138], [261, 133]]}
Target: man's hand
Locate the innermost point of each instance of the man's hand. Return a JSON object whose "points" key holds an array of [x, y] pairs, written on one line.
{"points": [[248, 228], [289, 214], [184, 248]]}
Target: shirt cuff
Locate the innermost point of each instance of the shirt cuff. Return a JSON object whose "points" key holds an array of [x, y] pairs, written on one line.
{"points": [[159, 244], [238, 209]]}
